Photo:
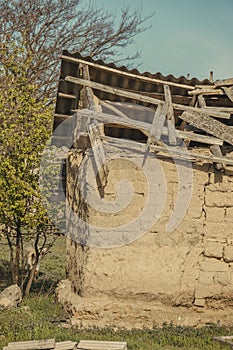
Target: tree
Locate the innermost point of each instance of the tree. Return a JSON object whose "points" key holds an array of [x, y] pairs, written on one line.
{"points": [[45, 28], [33, 34], [25, 126]]}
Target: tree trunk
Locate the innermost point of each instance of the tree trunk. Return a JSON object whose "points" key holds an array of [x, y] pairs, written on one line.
{"points": [[15, 260], [29, 282]]}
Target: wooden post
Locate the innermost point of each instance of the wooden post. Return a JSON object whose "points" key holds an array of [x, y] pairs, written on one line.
{"points": [[98, 152], [170, 116]]}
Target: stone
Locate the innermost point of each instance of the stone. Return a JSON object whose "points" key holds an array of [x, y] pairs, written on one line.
{"points": [[199, 302], [215, 214], [228, 253], [229, 216], [206, 278], [219, 199], [222, 278], [10, 297], [213, 249], [213, 265]]}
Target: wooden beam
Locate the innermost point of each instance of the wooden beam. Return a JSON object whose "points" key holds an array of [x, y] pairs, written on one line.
{"points": [[138, 97], [185, 154], [32, 345], [170, 116], [228, 92], [127, 74], [201, 101], [216, 151], [157, 126], [113, 109], [92, 99], [209, 125], [224, 82], [98, 152], [172, 152], [66, 345], [101, 345], [206, 92], [145, 127]]}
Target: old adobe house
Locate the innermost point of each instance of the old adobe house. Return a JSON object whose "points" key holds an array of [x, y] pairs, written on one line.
{"points": [[113, 114]]}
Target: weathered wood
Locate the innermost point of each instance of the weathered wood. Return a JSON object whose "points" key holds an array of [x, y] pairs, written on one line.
{"points": [[127, 74], [142, 98], [92, 99], [216, 151], [227, 340], [145, 127], [170, 115], [209, 125], [185, 154], [81, 138], [102, 345], [228, 92], [98, 152], [201, 101], [224, 82], [174, 152], [47, 344], [113, 109], [157, 125], [206, 92], [220, 109], [65, 345]]}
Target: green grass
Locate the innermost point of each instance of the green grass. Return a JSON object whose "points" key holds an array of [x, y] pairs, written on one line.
{"points": [[40, 317]]}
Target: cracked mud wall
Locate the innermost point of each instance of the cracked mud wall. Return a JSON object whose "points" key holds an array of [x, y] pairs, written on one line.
{"points": [[192, 265]]}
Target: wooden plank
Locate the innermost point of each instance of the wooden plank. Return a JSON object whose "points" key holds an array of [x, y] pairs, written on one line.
{"points": [[206, 92], [185, 154], [127, 74], [98, 152], [228, 92], [113, 109], [145, 127], [209, 125], [170, 116], [142, 98], [157, 125], [216, 151], [174, 152], [65, 345], [102, 345], [220, 109], [92, 99], [201, 101], [47, 344], [227, 340], [224, 82]]}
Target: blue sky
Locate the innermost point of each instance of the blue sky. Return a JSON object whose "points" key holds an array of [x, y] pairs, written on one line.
{"points": [[187, 36]]}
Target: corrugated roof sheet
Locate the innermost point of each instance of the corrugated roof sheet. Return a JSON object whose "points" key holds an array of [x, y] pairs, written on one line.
{"points": [[66, 105]]}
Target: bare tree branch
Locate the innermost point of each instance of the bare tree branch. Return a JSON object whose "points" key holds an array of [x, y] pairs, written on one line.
{"points": [[45, 28]]}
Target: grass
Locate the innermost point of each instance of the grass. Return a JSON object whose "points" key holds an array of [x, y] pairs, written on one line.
{"points": [[40, 317]]}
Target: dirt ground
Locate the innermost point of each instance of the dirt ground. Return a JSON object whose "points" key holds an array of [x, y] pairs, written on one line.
{"points": [[102, 311]]}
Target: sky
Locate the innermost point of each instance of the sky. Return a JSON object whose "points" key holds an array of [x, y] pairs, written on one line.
{"points": [[186, 36]]}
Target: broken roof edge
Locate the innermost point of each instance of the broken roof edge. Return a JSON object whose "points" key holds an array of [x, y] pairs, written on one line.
{"points": [[170, 77]]}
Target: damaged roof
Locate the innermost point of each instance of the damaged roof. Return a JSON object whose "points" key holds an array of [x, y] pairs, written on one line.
{"points": [[190, 105]]}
